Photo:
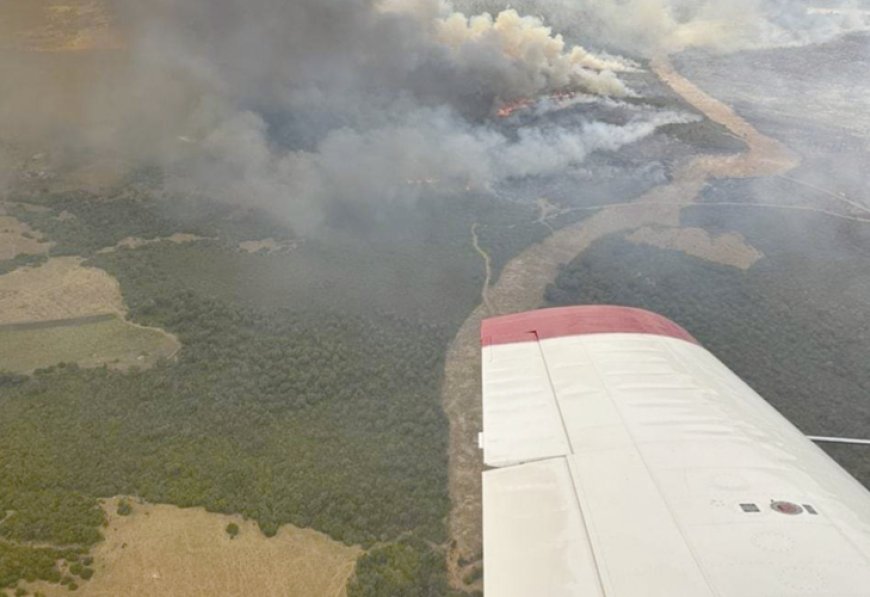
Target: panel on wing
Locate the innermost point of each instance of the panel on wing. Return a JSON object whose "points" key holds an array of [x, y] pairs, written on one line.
{"points": [[523, 421], [532, 523]]}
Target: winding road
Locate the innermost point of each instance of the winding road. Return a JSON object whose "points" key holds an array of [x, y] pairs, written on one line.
{"points": [[487, 261]]}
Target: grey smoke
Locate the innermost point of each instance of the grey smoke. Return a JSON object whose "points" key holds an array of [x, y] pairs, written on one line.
{"points": [[388, 163], [293, 105]]}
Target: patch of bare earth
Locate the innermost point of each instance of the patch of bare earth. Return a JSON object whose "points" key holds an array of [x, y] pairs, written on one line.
{"points": [[17, 238], [174, 552], [726, 249], [61, 288], [523, 280]]}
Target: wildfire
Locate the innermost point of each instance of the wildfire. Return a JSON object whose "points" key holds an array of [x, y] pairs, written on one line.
{"points": [[509, 108], [558, 97]]}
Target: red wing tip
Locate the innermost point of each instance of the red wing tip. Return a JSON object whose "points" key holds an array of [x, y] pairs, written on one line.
{"points": [[577, 321]]}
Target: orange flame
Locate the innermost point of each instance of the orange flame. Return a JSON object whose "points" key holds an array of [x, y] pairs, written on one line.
{"points": [[508, 109]]}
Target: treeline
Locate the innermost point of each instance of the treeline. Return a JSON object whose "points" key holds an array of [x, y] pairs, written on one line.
{"points": [[22, 260], [48, 515], [27, 563], [407, 568], [81, 223]]}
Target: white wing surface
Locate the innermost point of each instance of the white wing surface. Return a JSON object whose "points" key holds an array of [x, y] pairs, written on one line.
{"points": [[630, 462]]}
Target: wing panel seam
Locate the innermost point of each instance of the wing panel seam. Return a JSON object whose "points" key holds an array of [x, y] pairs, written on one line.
{"points": [[554, 394], [591, 533], [618, 409]]}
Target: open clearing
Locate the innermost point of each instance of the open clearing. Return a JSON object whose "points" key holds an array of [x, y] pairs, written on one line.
{"points": [[90, 342], [62, 312], [59, 289], [17, 238], [173, 552], [726, 249]]}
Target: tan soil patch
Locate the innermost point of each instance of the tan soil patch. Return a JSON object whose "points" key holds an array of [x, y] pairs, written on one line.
{"points": [[59, 289], [726, 249], [173, 552], [17, 238]]}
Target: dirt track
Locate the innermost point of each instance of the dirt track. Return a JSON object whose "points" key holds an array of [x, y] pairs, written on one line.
{"points": [[522, 282]]}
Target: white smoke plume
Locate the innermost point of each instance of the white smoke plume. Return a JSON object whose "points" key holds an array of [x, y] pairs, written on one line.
{"points": [[531, 44], [651, 27]]}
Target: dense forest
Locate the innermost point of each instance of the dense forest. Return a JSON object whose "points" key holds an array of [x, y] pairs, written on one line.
{"points": [[795, 326], [306, 391], [402, 569], [289, 418]]}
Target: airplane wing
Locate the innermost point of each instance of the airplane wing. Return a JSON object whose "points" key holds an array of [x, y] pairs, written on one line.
{"points": [[628, 461]]}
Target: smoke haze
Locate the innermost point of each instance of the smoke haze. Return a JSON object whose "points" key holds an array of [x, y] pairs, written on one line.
{"points": [[296, 105]]}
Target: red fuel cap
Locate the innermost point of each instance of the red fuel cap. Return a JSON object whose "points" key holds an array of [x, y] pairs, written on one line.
{"points": [[786, 508]]}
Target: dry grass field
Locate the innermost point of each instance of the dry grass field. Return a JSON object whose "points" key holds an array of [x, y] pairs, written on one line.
{"points": [[173, 552], [89, 342], [59, 289], [64, 312]]}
